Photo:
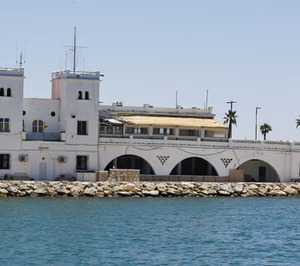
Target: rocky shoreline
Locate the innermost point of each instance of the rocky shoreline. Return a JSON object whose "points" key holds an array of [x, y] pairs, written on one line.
{"points": [[146, 189]]}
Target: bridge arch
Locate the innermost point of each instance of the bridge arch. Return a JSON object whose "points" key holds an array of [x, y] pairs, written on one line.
{"points": [[194, 166], [130, 161], [258, 170]]}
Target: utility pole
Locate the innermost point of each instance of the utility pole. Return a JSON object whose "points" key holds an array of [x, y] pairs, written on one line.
{"points": [[256, 111], [231, 105]]}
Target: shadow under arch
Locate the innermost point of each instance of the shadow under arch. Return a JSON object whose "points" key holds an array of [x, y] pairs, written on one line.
{"points": [[194, 166], [259, 171], [131, 162]]}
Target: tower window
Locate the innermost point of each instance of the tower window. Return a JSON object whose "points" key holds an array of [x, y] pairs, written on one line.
{"points": [[80, 95], [4, 125], [38, 126], [82, 128], [8, 92], [1, 92], [86, 95], [4, 161]]}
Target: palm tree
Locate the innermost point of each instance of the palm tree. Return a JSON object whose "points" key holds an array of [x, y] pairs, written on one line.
{"points": [[297, 122], [230, 118], [265, 129]]}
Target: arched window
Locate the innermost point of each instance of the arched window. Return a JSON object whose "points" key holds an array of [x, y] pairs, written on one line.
{"points": [[8, 92], [38, 126], [86, 95], [1, 92], [80, 95]]}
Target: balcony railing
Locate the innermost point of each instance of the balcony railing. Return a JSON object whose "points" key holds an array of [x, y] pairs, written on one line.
{"points": [[44, 136]]}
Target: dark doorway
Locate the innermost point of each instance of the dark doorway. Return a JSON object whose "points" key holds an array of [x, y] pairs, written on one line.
{"points": [[131, 162], [194, 166]]}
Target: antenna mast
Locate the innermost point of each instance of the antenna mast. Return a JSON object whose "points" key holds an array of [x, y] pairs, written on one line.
{"points": [[74, 51], [73, 48], [21, 62]]}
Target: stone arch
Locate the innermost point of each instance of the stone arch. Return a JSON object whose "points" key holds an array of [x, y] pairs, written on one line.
{"points": [[258, 170], [80, 95], [194, 166], [130, 161]]}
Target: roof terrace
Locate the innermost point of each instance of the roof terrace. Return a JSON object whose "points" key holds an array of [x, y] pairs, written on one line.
{"points": [[16, 72]]}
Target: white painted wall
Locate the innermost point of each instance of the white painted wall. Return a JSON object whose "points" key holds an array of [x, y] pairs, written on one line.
{"points": [[41, 109]]}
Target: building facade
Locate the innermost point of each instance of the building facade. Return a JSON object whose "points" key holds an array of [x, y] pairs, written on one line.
{"points": [[71, 133]]}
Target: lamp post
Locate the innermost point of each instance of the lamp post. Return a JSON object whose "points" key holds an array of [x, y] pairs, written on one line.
{"points": [[256, 111]]}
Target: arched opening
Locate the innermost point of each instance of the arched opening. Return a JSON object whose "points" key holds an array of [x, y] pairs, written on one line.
{"points": [[131, 162], [259, 171], [1, 92], [8, 92], [194, 166], [80, 95], [86, 95]]}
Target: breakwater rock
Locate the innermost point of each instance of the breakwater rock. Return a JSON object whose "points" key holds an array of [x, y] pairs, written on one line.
{"points": [[145, 189]]}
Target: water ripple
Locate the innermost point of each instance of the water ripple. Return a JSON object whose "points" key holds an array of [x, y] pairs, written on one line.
{"points": [[149, 231]]}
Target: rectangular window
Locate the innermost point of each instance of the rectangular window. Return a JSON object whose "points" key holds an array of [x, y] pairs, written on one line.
{"points": [[189, 132], [4, 125], [4, 161], [137, 130], [163, 131], [82, 128], [81, 162]]}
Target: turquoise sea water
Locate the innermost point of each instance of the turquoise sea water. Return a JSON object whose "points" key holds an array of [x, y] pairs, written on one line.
{"points": [[194, 231]]}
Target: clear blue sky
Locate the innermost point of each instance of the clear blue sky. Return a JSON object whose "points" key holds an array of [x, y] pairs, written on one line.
{"points": [[247, 51]]}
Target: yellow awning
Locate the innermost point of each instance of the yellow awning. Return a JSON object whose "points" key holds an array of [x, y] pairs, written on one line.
{"points": [[165, 121]]}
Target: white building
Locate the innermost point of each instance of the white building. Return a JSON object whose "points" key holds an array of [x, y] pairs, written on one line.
{"points": [[71, 133]]}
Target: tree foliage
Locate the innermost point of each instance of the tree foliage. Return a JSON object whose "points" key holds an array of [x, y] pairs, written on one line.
{"points": [[265, 129], [230, 119]]}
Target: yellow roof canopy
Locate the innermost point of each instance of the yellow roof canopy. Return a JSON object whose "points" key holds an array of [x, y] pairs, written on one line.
{"points": [[165, 121]]}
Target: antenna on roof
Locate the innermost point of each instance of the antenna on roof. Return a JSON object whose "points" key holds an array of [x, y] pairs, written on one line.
{"points": [[20, 62], [73, 48], [176, 95]]}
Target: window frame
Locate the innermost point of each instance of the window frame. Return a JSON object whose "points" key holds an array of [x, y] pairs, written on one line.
{"points": [[4, 125], [4, 161], [82, 128], [82, 162], [38, 126]]}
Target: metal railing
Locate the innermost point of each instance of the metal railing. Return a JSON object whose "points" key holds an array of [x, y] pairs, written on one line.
{"points": [[43, 136]]}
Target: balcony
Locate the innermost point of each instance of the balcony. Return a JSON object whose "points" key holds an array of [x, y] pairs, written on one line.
{"points": [[44, 136]]}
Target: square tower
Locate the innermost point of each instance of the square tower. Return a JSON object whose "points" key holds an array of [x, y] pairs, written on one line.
{"points": [[11, 101], [79, 103]]}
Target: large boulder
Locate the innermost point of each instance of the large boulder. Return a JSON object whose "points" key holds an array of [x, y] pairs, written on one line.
{"points": [[151, 193], [290, 191], [90, 191]]}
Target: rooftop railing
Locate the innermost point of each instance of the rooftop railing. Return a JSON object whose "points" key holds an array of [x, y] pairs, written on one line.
{"points": [[207, 142]]}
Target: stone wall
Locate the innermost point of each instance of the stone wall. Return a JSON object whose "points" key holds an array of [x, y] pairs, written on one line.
{"points": [[145, 189], [119, 175]]}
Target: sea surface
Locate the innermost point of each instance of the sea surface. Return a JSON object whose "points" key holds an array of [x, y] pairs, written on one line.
{"points": [[185, 231]]}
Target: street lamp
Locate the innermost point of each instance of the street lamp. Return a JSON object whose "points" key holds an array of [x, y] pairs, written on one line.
{"points": [[257, 108]]}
